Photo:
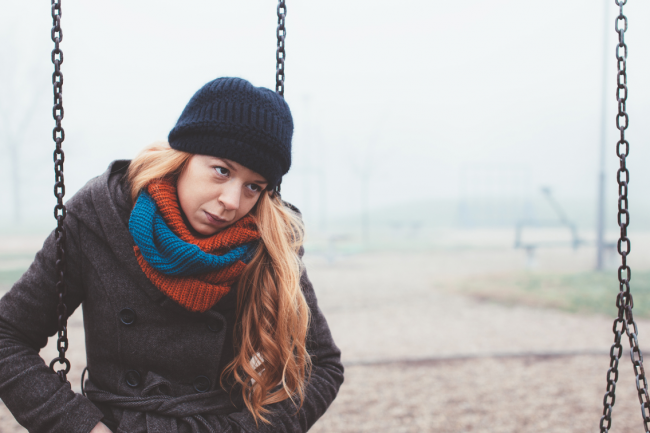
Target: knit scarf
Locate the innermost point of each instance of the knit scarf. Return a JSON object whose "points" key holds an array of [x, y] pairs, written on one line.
{"points": [[195, 272]]}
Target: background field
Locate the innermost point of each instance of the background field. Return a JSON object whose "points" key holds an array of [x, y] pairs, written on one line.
{"points": [[463, 336], [426, 132]]}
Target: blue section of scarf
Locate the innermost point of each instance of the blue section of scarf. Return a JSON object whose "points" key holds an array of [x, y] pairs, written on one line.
{"points": [[169, 254]]}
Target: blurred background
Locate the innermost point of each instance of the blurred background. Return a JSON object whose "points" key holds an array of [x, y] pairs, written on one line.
{"points": [[446, 159]]}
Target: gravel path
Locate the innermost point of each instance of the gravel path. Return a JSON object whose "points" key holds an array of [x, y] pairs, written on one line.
{"points": [[377, 313], [516, 395], [436, 349]]}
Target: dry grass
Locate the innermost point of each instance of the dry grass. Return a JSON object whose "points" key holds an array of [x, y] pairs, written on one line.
{"points": [[581, 292]]}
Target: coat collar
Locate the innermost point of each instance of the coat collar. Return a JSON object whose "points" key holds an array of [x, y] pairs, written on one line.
{"points": [[110, 197]]}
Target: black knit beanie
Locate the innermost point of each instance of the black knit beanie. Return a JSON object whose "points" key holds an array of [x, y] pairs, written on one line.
{"points": [[230, 118]]}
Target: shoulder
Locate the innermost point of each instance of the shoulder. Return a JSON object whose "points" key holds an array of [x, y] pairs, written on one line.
{"points": [[292, 207], [96, 191]]}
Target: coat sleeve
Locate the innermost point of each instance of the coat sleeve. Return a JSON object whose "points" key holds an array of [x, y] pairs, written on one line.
{"points": [[31, 391], [325, 381]]}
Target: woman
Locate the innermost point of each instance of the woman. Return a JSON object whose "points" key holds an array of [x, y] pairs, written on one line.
{"points": [[198, 313]]}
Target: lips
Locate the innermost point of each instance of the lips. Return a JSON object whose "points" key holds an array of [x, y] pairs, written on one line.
{"points": [[215, 220]]}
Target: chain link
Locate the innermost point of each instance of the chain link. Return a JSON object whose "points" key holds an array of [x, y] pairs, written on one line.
{"points": [[280, 54], [58, 134], [624, 300]]}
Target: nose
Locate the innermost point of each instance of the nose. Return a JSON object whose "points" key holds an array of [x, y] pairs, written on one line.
{"points": [[230, 196]]}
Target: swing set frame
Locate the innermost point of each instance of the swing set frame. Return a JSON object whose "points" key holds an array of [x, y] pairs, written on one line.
{"points": [[623, 324]]}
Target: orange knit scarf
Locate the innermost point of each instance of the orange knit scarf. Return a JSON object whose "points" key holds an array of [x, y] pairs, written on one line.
{"points": [[196, 292]]}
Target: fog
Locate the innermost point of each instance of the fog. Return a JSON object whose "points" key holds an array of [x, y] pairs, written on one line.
{"points": [[394, 103], [445, 158]]}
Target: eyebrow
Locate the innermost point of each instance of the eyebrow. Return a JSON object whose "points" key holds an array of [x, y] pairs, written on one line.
{"points": [[229, 165]]}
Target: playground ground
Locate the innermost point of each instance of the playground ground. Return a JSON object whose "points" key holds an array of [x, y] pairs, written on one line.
{"points": [[428, 349]]}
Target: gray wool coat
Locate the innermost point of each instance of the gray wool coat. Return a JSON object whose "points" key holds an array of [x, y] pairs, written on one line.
{"points": [[153, 366]]}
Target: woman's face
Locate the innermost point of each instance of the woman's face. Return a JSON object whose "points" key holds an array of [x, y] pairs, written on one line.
{"points": [[214, 193]]}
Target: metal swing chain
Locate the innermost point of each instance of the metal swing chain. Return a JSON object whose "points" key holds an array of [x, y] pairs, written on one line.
{"points": [[280, 54], [624, 300], [58, 134]]}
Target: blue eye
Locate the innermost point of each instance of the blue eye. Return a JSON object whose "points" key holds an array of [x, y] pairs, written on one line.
{"points": [[222, 171]]}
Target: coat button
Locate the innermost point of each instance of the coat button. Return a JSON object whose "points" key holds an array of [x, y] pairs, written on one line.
{"points": [[215, 325], [202, 384], [132, 378], [127, 316]]}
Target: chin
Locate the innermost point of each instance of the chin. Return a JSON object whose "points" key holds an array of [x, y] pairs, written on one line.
{"points": [[209, 231], [204, 229]]}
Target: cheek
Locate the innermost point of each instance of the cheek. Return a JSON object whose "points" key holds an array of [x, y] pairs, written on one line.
{"points": [[247, 204], [186, 197], [185, 203]]}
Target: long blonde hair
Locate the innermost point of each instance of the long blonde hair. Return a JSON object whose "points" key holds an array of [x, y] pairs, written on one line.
{"points": [[272, 313]]}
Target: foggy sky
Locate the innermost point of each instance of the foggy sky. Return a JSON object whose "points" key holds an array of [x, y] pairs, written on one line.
{"points": [[408, 93]]}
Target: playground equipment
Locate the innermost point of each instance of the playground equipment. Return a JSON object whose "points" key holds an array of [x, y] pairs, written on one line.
{"points": [[624, 323], [624, 301]]}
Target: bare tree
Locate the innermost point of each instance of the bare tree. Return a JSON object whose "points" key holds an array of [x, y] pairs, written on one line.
{"points": [[364, 169], [21, 94]]}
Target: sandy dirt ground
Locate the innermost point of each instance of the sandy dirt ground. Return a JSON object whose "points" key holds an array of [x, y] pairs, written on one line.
{"points": [[421, 358], [513, 395]]}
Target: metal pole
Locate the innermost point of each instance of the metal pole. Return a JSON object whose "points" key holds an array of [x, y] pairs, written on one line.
{"points": [[15, 175], [365, 212], [600, 211]]}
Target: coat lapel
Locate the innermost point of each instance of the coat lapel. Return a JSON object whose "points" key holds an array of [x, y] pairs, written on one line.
{"points": [[111, 203]]}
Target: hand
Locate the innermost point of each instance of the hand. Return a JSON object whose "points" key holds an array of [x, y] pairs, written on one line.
{"points": [[101, 428]]}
